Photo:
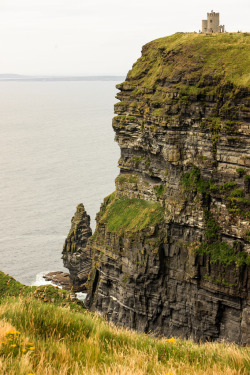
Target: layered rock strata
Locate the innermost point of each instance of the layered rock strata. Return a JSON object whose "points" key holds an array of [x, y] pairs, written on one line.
{"points": [[75, 256], [170, 253]]}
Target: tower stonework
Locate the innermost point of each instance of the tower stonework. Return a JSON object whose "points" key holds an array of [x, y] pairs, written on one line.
{"points": [[212, 23]]}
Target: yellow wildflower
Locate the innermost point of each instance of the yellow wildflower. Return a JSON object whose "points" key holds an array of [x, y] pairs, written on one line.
{"points": [[13, 346], [24, 350], [32, 348], [12, 332], [171, 340]]}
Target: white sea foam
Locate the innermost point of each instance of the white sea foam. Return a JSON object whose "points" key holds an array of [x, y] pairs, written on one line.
{"points": [[81, 296], [40, 280]]}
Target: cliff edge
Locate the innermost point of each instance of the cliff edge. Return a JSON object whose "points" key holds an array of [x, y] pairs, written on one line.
{"points": [[170, 253]]}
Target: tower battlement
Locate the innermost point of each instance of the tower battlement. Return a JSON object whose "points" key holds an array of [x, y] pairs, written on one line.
{"points": [[212, 23]]}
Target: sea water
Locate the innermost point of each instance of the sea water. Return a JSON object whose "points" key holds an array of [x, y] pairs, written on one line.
{"points": [[57, 150]]}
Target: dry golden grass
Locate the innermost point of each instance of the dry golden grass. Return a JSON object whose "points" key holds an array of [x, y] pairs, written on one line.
{"points": [[72, 343]]}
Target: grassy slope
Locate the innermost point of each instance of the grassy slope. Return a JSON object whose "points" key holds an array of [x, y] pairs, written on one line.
{"points": [[79, 342], [218, 55]]}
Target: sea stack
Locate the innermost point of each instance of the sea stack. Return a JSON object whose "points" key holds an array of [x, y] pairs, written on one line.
{"points": [[75, 255]]}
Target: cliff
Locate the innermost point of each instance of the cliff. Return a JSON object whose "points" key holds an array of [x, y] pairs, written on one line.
{"points": [[170, 253]]}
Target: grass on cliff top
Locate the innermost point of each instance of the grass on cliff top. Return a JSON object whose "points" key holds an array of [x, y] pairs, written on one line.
{"points": [[225, 55], [44, 339], [9, 287], [131, 214]]}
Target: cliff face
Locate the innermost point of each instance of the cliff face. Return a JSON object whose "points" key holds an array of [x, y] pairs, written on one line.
{"points": [[170, 253]]}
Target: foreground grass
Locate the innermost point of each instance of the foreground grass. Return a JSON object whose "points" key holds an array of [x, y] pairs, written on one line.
{"points": [[43, 333], [68, 342]]}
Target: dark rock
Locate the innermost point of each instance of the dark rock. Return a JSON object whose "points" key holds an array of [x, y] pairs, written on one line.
{"points": [[75, 255], [59, 278]]}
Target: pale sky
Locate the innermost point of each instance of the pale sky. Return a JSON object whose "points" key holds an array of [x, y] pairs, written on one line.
{"points": [[98, 37]]}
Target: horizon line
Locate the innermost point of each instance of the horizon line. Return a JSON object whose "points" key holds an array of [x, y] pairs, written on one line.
{"points": [[41, 77]]}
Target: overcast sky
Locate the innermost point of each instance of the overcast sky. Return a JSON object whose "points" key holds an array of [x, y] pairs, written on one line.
{"points": [[98, 37]]}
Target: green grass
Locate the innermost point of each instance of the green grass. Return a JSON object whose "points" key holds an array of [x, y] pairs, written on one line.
{"points": [[223, 56], [192, 181], [133, 215], [237, 193], [159, 112], [128, 178], [220, 251], [9, 287], [53, 340]]}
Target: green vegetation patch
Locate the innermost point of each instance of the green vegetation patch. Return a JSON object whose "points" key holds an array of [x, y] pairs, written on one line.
{"points": [[131, 214], [224, 57], [235, 199], [248, 235], [10, 287], [159, 190], [127, 178], [219, 251], [47, 294], [192, 181], [159, 112]]}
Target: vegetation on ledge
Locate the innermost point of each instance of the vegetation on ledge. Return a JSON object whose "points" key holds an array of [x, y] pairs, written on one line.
{"points": [[130, 214], [218, 251]]}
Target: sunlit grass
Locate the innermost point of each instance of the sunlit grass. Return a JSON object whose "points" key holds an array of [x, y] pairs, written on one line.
{"points": [[225, 55], [68, 342], [131, 214]]}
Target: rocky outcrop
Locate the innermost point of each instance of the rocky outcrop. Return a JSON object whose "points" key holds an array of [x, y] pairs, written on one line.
{"points": [[75, 256], [59, 278], [170, 253]]}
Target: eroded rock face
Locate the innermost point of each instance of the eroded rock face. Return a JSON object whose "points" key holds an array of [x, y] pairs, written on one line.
{"points": [[75, 255], [183, 129], [152, 286]]}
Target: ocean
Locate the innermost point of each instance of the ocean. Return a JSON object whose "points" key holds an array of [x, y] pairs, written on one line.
{"points": [[57, 150]]}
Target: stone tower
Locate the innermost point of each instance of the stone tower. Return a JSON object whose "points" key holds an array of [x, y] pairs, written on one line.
{"points": [[212, 23]]}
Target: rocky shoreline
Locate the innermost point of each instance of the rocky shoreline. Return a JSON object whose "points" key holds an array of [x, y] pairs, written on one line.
{"points": [[59, 278]]}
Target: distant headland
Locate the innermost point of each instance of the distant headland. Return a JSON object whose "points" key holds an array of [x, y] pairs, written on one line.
{"points": [[19, 77]]}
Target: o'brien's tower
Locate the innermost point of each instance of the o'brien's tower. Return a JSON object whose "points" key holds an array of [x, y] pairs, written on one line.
{"points": [[212, 23]]}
